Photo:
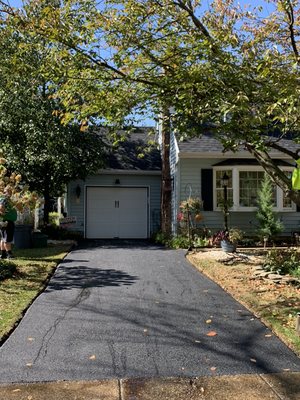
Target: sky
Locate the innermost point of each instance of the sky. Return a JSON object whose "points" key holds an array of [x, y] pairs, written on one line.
{"points": [[253, 3]]}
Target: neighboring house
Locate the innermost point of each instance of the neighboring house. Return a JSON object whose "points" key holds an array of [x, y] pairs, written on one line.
{"points": [[197, 166], [122, 200]]}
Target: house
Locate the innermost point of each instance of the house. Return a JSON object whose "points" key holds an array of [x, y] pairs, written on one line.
{"points": [[123, 199], [197, 168]]}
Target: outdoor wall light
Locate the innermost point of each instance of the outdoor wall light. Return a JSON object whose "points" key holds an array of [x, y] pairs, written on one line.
{"points": [[225, 180], [78, 191]]}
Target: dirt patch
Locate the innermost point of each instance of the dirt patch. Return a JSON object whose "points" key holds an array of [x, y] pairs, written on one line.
{"points": [[251, 257]]}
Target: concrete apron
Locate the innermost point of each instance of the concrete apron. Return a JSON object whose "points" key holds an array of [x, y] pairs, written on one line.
{"points": [[235, 387]]}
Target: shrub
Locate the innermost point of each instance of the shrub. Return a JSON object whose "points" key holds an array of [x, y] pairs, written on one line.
{"points": [[200, 242], [283, 262], [54, 218], [179, 242], [57, 233], [269, 224]]}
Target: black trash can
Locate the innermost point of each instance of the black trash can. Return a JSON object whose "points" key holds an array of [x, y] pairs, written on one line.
{"points": [[22, 236]]}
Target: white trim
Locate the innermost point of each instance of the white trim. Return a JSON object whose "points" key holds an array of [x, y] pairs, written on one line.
{"points": [[236, 188], [225, 156]]}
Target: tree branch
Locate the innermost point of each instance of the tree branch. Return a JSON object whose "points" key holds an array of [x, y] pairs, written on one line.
{"points": [[195, 20], [290, 14], [276, 146]]}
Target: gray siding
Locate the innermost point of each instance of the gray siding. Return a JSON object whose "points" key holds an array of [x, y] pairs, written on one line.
{"points": [[76, 207], [189, 175]]}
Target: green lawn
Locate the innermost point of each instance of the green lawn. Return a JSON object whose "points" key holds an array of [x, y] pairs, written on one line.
{"points": [[33, 269]]}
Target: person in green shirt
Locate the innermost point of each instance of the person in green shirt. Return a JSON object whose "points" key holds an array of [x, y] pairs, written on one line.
{"points": [[8, 216]]}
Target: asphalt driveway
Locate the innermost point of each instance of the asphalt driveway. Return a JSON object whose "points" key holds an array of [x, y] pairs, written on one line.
{"points": [[136, 310]]}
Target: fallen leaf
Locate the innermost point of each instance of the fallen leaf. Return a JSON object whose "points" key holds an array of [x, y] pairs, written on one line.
{"points": [[213, 368], [93, 357], [211, 333], [29, 365], [30, 339], [197, 341], [208, 321], [268, 335], [286, 369], [16, 390], [29, 398], [253, 360]]}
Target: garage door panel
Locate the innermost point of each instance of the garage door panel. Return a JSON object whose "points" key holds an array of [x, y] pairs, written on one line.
{"points": [[116, 212]]}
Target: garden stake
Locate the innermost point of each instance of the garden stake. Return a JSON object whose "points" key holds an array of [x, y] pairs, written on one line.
{"points": [[298, 323]]}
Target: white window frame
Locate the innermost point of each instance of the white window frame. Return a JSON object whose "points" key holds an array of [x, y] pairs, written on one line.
{"points": [[236, 188]]}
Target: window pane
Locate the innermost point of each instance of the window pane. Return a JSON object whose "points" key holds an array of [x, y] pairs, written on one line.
{"points": [[287, 202], [250, 183]]}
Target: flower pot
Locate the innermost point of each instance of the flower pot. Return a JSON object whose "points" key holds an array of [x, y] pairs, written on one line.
{"points": [[228, 247]]}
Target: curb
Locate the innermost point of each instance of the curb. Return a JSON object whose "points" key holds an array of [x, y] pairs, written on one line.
{"points": [[235, 387]]}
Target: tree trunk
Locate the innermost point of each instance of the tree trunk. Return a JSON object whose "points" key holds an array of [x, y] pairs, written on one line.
{"points": [[166, 184], [46, 207], [275, 173]]}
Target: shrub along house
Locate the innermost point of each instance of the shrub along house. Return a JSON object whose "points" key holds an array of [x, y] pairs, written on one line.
{"points": [[197, 168], [122, 200]]}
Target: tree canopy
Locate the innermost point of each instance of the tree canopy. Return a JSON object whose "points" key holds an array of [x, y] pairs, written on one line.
{"points": [[47, 153], [232, 68]]}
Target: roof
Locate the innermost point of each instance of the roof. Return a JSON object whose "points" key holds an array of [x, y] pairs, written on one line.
{"points": [[207, 143], [135, 152]]}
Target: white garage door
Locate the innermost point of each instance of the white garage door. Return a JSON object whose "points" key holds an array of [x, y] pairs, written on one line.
{"points": [[116, 212]]}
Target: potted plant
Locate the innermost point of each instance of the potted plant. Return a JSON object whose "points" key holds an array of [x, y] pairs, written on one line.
{"points": [[228, 239]]}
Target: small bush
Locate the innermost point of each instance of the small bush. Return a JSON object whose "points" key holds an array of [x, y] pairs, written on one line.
{"points": [[175, 242], [283, 262], [160, 238], [54, 218], [201, 242], [58, 233], [179, 242], [7, 269]]}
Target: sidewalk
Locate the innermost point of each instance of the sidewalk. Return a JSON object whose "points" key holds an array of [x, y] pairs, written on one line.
{"points": [[236, 387]]}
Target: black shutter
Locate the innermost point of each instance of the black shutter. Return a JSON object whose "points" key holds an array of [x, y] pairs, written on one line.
{"points": [[207, 189]]}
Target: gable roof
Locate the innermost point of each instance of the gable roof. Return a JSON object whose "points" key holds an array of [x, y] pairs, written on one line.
{"points": [[135, 152], [207, 144]]}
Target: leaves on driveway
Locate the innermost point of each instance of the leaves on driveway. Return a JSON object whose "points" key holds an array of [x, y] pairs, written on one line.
{"points": [[211, 333]]}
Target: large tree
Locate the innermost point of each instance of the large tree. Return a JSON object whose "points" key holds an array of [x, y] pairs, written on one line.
{"points": [[47, 153], [234, 69]]}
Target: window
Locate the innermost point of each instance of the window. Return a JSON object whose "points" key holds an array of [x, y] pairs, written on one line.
{"points": [[249, 185], [244, 184]]}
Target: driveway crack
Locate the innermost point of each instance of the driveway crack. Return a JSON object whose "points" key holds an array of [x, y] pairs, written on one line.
{"points": [[42, 353]]}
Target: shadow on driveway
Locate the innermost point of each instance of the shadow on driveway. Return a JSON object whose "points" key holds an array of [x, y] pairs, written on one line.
{"points": [[84, 277]]}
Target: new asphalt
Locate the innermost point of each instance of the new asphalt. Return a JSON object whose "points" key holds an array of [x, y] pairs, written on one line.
{"points": [[133, 310]]}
